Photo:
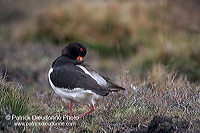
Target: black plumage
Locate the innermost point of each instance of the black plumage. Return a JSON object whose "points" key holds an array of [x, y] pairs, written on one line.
{"points": [[67, 75], [75, 81]]}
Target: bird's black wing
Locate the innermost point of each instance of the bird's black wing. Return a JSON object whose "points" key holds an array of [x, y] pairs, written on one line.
{"points": [[110, 84], [71, 76]]}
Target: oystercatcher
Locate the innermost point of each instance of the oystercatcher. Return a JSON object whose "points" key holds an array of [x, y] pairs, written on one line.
{"points": [[75, 82]]}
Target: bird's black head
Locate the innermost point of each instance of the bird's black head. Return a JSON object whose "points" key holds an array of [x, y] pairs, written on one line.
{"points": [[75, 51]]}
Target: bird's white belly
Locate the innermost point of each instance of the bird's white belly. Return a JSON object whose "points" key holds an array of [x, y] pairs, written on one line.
{"points": [[77, 95]]}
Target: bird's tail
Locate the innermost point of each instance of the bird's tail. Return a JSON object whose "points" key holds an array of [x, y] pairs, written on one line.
{"points": [[114, 88]]}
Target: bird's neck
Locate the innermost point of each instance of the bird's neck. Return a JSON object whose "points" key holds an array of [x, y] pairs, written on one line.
{"points": [[63, 60]]}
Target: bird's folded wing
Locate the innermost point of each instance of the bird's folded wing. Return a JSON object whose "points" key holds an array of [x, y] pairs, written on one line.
{"points": [[102, 79], [71, 77]]}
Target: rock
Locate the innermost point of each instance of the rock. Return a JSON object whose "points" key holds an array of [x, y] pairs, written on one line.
{"points": [[161, 124]]}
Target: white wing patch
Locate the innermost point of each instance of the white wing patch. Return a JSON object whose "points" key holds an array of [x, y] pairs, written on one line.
{"points": [[100, 80]]}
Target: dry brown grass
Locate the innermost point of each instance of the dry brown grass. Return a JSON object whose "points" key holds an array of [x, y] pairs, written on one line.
{"points": [[160, 94], [149, 32], [158, 46]]}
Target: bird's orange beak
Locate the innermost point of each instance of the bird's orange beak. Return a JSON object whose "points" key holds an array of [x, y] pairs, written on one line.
{"points": [[79, 58]]}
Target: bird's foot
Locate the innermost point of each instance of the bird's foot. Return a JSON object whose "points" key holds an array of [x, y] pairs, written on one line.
{"points": [[90, 111]]}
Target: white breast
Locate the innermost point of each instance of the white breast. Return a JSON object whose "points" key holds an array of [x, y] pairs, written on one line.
{"points": [[77, 95]]}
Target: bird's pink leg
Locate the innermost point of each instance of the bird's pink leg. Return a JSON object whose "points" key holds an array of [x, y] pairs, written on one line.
{"points": [[90, 111], [70, 107]]}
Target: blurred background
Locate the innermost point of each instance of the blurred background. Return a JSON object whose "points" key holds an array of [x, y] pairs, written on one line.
{"points": [[133, 37]]}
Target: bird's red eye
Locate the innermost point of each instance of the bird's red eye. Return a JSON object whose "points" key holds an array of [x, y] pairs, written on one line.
{"points": [[81, 49]]}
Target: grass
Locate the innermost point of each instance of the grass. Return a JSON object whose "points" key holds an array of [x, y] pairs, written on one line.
{"points": [[157, 43], [14, 102], [131, 110], [141, 33]]}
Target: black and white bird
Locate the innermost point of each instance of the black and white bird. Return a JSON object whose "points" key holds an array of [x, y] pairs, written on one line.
{"points": [[75, 82]]}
